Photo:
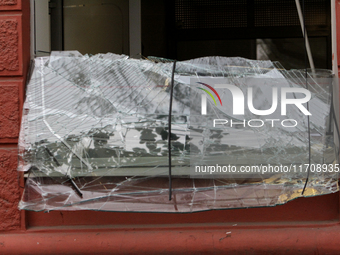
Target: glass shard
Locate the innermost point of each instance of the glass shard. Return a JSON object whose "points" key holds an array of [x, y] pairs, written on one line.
{"points": [[94, 134]]}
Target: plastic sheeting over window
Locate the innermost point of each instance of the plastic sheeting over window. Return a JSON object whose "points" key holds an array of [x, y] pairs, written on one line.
{"points": [[95, 134]]}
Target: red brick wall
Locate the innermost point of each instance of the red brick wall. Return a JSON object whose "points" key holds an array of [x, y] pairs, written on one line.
{"points": [[14, 61], [264, 239]]}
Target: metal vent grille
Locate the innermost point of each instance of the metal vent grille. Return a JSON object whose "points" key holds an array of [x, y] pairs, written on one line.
{"points": [[284, 13], [210, 14], [202, 14]]}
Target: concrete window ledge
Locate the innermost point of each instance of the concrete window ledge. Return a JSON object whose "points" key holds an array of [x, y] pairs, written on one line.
{"points": [[212, 239]]}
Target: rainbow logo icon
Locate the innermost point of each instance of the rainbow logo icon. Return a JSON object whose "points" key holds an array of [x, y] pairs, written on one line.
{"points": [[209, 93]]}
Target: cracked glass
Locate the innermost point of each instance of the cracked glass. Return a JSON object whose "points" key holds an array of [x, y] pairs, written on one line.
{"points": [[95, 134]]}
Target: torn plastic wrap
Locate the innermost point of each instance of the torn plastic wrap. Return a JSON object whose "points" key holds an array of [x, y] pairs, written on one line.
{"points": [[94, 135]]}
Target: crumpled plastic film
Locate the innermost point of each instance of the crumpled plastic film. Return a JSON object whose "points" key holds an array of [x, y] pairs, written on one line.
{"points": [[94, 135]]}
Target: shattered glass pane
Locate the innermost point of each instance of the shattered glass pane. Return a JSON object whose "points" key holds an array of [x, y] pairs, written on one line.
{"points": [[94, 134]]}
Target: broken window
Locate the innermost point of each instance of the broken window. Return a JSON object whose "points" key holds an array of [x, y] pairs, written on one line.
{"points": [[96, 134]]}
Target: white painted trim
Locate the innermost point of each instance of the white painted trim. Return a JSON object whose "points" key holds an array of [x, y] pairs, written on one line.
{"points": [[334, 41], [40, 27], [32, 31]]}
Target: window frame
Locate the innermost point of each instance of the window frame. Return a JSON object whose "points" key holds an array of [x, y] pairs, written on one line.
{"points": [[289, 214]]}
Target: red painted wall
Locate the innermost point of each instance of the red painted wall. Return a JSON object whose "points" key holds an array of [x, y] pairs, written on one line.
{"points": [[14, 61], [304, 226]]}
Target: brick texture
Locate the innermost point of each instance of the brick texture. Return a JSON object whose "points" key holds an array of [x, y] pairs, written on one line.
{"points": [[12, 80], [9, 192], [9, 43], [9, 110], [8, 2]]}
